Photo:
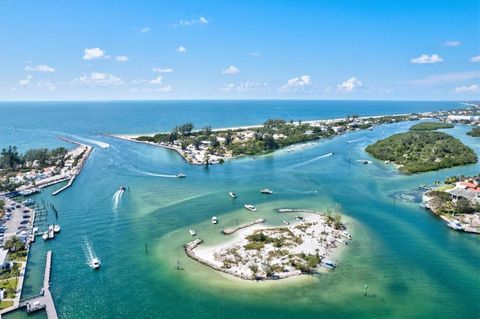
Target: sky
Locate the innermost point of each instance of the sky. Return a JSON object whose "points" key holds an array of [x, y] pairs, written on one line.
{"points": [[239, 49]]}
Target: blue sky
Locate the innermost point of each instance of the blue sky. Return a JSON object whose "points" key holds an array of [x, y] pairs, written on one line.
{"points": [[95, 50]]}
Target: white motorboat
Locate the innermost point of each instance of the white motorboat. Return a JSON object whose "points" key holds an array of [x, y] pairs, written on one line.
{"points": [[455, 225], [56, 228], [285, 222], [45, 236], [95, 263], [250, 207], [232, 195], [214, 220], [192, 232], [51, 233], [329, 264], [266, 191], [181, 175]]}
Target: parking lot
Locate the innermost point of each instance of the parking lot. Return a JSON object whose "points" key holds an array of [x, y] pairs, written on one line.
{"points": [[17, 221]]}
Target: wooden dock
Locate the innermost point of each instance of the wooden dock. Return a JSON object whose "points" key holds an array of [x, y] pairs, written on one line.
{"points": [[44, 300]]}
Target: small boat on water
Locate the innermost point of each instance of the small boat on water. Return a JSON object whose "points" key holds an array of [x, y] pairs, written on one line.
{"points": [[214, 220], [192, 232], [455, 225], [56, 228], [51, 233], [123, 188], [45, 236], [345, 234], [329, 264], [28, 202], [285, 222], [266, 191], [232, 195], [95, 263], [181, 175], [250, 207]]}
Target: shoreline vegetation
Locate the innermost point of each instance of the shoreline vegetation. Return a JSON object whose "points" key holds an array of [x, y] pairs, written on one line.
{"points": [[475, 132], [26, 174], [214, 146], [259, 252], [422, 150], [430, 126]]}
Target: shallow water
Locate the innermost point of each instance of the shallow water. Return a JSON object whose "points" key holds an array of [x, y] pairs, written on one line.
{"points": [[413, 265]]}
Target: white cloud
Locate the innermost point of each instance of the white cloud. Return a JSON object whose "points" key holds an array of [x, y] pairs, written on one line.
{"points": [[475, 58], [349, 85], [187, 23], [122, 58], [446, 77], [474, 88], [181, 49], [39, 68], [451, 43], [232, 69], [145, 29], [94, 53], [254, 54], [25, 81], [47, 85], [162, 70], [298, 82], [98, 79], [427, 59], [157, 80], [163, 89]]}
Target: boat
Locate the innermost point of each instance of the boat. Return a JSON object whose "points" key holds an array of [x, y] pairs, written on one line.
{"points": [[123, 188], [45, 236], [266, 191], [329, 264], [250, 207], [56, 228], [345, 234], [95, 263], [232, 195], [285, 222], [51, 233], [28, 202], [192, 232], [181, 175], [455, 225]]}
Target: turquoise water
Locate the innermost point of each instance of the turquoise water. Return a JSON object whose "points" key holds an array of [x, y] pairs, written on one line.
{"points": [[414, 266]]}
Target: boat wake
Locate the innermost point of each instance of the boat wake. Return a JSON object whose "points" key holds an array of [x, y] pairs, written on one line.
{"points": [[89, 253], [357, 140], [98, 143], [153, 174], [312, 160], [117, 197]]}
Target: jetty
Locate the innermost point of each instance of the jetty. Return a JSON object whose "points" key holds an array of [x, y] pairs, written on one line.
{"points": [[83, 160], [295, 210], [231, 230], [44, 300]]}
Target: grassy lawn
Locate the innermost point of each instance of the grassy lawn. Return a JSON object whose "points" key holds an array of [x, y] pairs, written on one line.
{"points": [[8, 285], [6, 304], [445, 187]]}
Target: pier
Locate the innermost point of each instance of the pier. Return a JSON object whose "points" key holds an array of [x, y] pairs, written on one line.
{"points": [[44, 300], [231, 230], [83, 160]]}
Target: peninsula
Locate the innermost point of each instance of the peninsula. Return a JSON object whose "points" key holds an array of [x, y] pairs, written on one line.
{"points": [[457, 202], [25, 174], [265, 253]]}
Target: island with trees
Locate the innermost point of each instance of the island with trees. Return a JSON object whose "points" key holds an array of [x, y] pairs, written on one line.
{"points": [[475, 132], [430, 126], [422, 151]]}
